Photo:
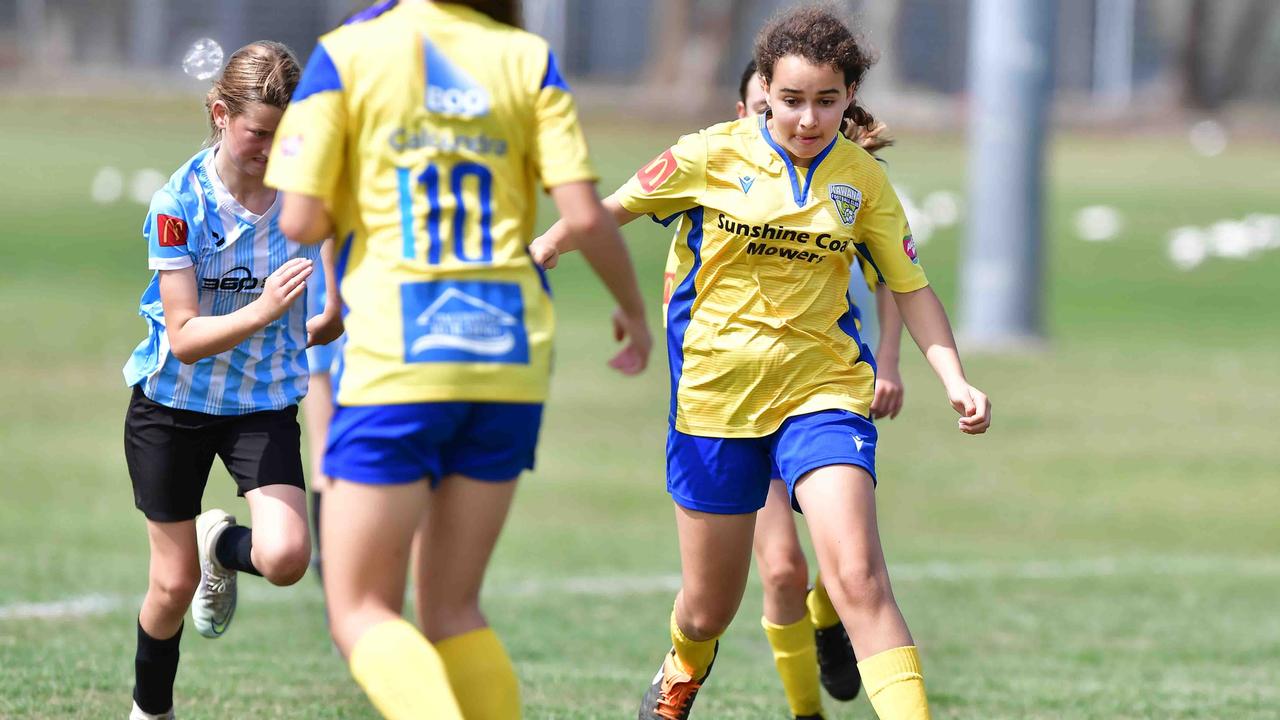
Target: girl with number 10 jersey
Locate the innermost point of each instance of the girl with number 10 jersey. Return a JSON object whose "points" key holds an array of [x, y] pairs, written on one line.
{"points": [[416, 138]]}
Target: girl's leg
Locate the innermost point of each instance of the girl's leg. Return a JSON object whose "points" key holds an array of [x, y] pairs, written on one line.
{"points": [[453, 546], [317, 411], [173, 576], [715, 557], [367, 533], [281, 545], [785, 575], [784, 572], [839, 503]]}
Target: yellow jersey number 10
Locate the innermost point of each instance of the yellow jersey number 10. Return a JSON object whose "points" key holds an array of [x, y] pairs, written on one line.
{"points": [[437, 187]]}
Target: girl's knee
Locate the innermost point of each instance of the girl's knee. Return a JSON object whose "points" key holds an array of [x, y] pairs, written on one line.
{"points": [[785, 573], [173, 590], [859, 584], [282, 562], [705, 622]]}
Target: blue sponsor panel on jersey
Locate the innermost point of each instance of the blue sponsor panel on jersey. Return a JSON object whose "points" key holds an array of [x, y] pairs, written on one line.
{"points": [[464, 321]]}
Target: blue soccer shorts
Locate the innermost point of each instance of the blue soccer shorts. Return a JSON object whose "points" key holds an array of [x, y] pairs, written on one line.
{"points": [[395, 444], [730, 476]]}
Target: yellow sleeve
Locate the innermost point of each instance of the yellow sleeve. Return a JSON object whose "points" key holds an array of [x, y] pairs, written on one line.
{"points": [[669, 184], [560, 149], [308, 153], [884, 241]]}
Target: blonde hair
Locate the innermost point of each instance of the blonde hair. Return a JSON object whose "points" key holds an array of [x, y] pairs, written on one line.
{"points": [[265, 71]]}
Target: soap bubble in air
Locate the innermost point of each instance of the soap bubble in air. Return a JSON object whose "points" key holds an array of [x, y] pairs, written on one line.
{"points": [[107, 186], [1208, 138], [1098, 223], [1188, 247], [145, 183], [203, 59]]}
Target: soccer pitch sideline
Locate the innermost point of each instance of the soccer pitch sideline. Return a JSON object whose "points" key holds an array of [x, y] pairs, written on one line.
{"points": [[1109, 550]]}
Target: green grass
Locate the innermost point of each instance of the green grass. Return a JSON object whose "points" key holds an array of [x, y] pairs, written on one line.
{"points": [[1107, 551]]}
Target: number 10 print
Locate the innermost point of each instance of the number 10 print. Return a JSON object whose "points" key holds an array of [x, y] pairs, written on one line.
{"points": [[430, 182]]}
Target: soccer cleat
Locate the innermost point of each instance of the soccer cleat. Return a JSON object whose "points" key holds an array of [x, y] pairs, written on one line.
{"points": [[837, 665], [670, 696], [140, 714], [215, 602]]}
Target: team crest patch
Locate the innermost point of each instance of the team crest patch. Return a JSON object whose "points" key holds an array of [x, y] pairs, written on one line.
{"points": [[172, 231], [657, 172], [847, 200]]}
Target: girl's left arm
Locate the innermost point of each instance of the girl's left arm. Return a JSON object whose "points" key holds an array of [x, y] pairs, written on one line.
{"points": [[925, 318], [327, 326]]}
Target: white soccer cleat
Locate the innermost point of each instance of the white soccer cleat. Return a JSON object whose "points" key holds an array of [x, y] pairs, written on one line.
{"points": [[140, 714], [215, 600]]}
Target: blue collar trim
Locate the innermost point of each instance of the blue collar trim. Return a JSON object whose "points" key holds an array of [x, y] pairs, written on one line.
{"points": [[801, 194]]}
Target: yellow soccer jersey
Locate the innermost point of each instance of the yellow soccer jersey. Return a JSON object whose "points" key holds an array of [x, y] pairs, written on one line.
{"points": [[759, 324], [425, 127]]}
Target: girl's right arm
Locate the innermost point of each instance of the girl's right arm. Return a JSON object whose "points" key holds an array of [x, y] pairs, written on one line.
{"points": [[563, 237], [193, 336], [588, 225]]}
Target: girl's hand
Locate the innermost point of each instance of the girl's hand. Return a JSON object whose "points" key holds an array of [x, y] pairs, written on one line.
{"points": [[973, 406], [543, 253], [634, 357], [889, 392], [283, 287]]}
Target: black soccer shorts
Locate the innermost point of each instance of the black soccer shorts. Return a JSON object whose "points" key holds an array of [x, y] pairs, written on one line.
{"points": [[170, 452]]}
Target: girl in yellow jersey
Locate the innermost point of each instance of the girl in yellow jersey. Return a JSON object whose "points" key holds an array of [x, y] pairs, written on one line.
{"points": [[766, 362], [417, 137]]}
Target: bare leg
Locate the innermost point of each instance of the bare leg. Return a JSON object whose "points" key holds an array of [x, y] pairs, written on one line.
{"points": [[780, 559], [281, 542], [454, 544], [715, 558], [839, 503], [173, 576]]}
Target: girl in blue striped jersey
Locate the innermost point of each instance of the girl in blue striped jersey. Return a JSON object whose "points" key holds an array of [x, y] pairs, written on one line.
{"points": [[220, 374]]}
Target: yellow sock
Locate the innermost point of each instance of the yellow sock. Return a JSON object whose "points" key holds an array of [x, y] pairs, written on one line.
{"points": [[402, 674], [895, 685], [695, 655], [796, 657], [820, 608], [481, 674]]}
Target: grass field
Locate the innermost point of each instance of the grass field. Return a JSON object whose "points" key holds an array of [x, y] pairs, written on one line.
{"points": [[1110, 550]]}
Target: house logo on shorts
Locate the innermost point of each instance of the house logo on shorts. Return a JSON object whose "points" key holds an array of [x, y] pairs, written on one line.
{"points": [[464, 321], [450, 91], [847, 200]]}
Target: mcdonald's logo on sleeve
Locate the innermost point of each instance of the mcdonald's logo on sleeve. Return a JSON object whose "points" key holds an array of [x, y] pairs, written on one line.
{"points": [[172, 231], [657, 172]]}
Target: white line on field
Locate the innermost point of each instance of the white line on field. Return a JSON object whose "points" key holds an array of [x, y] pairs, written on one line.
{"points": [[622, 585]]}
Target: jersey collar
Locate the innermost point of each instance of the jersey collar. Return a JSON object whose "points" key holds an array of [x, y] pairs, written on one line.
{"points": [[226, 201], [799, 191]]}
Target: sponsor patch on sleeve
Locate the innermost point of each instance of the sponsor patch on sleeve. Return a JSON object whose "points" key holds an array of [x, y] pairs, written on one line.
{"points": [[657, 172], [171, 230], [909, 247]]}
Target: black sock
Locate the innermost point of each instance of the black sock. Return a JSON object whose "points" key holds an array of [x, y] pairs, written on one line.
{"points": [[154, 667], [315, 519], [235, 550]]}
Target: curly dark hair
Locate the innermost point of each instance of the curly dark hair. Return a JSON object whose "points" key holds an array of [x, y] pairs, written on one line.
{"points": [[817, 34]]}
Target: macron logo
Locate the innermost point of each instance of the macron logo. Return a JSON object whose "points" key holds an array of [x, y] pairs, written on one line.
{"points": [[859, 442], [450, 91]]}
